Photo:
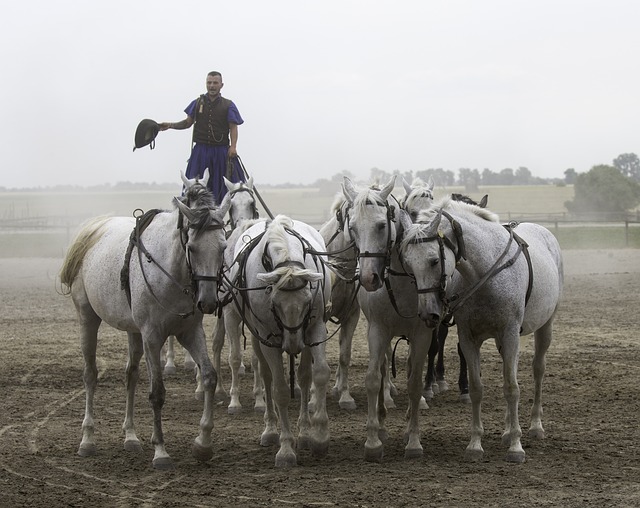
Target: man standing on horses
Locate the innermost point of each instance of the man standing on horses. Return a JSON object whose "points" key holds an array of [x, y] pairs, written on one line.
{"points": [[215, 136]]}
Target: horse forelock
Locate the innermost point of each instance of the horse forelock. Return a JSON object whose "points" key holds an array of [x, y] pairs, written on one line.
{"points": [[277, 238], [367, 197], [413, 233], [201, 202]]}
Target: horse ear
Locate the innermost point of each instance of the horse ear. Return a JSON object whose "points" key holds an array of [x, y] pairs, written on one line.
{"points": [[432, 227], [484, 201], [185, 180], [205, 177], [184, 209], [407, 187], [386, 190], [348, 190], [431, 183], [249, 183], [226, 204], [227, 183]]}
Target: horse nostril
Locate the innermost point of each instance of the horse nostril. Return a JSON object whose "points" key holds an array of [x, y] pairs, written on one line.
{"points": [[434, 318]]}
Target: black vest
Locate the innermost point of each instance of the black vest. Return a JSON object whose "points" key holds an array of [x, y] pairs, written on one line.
{"points": [[211, 126]]}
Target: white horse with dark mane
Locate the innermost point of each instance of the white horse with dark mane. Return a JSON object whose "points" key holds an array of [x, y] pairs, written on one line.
{"points": [[498, 282], [279, 290], [152, 277]]}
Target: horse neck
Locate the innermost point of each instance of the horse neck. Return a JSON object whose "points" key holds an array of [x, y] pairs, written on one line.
{"points": [[170, 253], [484, 242]]}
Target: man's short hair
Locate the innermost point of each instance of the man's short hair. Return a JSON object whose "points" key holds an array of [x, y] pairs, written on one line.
{"points": [[215, 73]]}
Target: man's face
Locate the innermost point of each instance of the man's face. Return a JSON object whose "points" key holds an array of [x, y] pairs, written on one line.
{"points": [[214, 84]]}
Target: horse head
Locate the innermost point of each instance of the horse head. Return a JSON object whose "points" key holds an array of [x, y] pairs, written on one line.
{"points": [[202, 229], [427, 252], [370, 224], [292, 298], [419, 195], [243, 201]]}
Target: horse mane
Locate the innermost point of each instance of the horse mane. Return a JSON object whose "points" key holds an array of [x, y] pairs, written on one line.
{"points": [[89, 234], [449, 203]]}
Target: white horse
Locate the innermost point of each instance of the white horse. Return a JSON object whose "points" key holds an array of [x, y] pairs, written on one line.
{"points": [[280, 294], [345, 310], [389, 303], [499, 282], [151, 277], [242, 207]]}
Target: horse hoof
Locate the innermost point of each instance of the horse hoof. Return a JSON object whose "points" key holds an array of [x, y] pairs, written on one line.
{"points": [[515, 457], [374, 454], [304, 443], [199, 396], [347, 405], [423, 404], [443, 386], [473, 455], [435, 388], [87, 450], [383, 435], [169, 371], [286, 460], [413, 453], [190, 365], [465, 398], [234, 410], [242, 370], [536, 433], [312, 407], [270, 439], [201, 453], [133, 446], [319, 449], [259, 408], [428, 394], [163, 464], [389, 403]]}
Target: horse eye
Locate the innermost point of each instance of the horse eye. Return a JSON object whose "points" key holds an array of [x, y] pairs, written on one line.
{"points": [[382, 225], [434, 262]]}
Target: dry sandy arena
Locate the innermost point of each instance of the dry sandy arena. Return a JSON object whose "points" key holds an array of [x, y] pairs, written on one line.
{"points": [[590, 457]]}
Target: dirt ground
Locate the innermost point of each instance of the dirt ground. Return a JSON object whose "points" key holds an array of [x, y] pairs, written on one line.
{"points": [[590, 457]]}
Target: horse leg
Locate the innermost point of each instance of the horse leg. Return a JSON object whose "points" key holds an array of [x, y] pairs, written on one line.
{"points": [[508, 346], [89, 324], [321, 373], [170, 358], [189, 363], [417, 357], [216, 348], [341, 388], [286, 456], [259, 405], [463, 380], [270, 435], [195, 343], [303, 375], [542, 340], [442, 332], [430, 377], [235, 360], [374, 383], [474, 451], [390, 389], [157, 393], [131, 441]]}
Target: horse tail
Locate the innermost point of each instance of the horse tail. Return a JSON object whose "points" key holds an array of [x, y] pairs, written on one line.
{"points": [[89, 234]]}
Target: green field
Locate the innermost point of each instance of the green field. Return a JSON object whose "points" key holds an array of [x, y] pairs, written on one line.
{"points": [[66, 210]]}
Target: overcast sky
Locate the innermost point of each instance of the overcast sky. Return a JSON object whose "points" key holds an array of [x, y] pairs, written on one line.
{"points": [[322, 86]]}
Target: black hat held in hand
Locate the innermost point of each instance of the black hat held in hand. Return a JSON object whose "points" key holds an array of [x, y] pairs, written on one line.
{"points": [[146, 134]]}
